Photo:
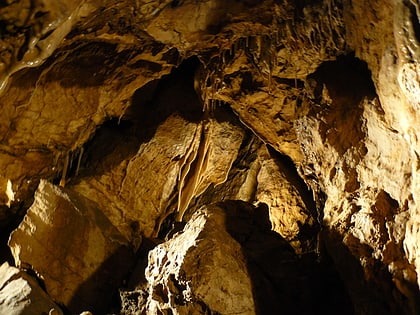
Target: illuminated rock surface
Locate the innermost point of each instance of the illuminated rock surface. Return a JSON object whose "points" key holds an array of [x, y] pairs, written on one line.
{"points": [[72, 247], [21, 294], [148, 113]]}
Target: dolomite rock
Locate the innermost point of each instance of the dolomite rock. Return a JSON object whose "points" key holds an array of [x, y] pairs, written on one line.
{"points": [[20, 294], [72, 247]]}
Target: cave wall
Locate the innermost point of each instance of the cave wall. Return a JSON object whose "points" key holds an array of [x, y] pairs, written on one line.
{"points": [[142, 115]]}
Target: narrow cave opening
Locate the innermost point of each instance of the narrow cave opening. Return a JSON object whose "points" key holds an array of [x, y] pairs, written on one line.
{"points": [[347, 78]]}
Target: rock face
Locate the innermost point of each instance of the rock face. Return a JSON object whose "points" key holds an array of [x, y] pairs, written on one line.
{"points": [[152, 114], [79, 256], [21, 294]]}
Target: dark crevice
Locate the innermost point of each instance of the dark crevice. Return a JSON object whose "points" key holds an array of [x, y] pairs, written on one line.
{"points": [[369, 290], [347, 81], [248, 83], [347, 78], [415, 19], [5, 253], [282, 280], [104, 298], [15, 217]]}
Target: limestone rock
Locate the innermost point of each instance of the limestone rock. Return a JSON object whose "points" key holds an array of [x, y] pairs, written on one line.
{"points": [[241, 182], [37, 66], [204, 271], [260, 175], [357, 163], [20, 294], [136, 192], [72, 247]]}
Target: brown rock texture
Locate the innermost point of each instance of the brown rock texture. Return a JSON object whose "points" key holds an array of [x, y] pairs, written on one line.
{"points": [[79, 256], [138, 126], [201, 266]]}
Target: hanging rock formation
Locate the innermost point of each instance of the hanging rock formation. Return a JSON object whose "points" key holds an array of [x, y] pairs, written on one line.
{"points": [[134, 133]]}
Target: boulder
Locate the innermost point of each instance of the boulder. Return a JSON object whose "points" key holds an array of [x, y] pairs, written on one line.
{"points": [[73, 248]]}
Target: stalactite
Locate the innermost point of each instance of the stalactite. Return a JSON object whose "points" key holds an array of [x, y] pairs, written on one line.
{"points": [[79, 160], [193, 176], [184, 169], [65, 169]]}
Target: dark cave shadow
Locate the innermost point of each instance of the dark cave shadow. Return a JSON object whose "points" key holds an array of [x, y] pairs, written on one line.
{"points": [[5, 252], [348, 81], [282, 280], [377, 295], [15, 217], [99, 293], [120, 138]]}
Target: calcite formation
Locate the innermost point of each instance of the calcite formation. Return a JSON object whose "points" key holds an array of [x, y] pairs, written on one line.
{"points": [[135, 126]]}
